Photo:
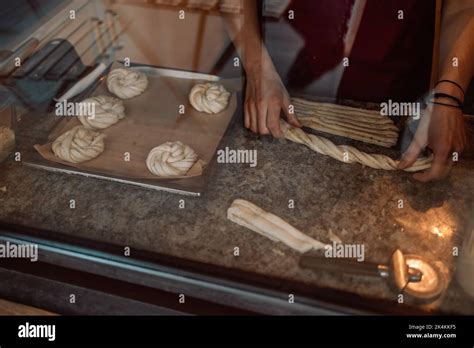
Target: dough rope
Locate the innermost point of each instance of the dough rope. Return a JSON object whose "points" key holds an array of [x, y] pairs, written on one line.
{"points": [[271, 226], [79, 144], [126, 83], [171, 159], [210, 98], [108, 111], [347, 154]]}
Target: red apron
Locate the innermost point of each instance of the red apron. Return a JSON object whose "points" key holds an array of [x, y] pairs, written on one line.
{"points": [[390, 58]]}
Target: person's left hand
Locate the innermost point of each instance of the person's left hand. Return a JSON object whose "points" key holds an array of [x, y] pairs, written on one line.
{"points": [[442, 129]]}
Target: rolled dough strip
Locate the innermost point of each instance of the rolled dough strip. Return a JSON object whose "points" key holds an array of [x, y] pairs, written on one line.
{"points": [[347, 154], [359, 133], [347, 111], [382, 135], [347, 120], [370, 138], [347, 124], [354, 123], [360, 123], [271, 226]]}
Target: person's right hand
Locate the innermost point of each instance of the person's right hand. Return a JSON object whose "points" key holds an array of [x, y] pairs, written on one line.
{"points": [[266, 97]]}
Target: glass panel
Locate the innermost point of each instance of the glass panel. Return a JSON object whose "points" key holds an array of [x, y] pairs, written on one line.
{"points": [[176, 104]]}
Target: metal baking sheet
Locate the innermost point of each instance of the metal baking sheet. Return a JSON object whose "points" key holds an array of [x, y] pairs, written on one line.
{"points": [[189, 186]]}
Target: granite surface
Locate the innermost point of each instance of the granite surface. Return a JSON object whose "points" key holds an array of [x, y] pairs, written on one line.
{"points": [[358, 204]]}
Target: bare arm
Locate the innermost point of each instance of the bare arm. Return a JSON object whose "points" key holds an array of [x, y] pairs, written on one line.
{"points": [[457, 41], [266, 96], [245, 33], [442, 127]]}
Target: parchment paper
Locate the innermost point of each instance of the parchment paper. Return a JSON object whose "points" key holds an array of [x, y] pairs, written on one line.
{"points": [[152, 119]]}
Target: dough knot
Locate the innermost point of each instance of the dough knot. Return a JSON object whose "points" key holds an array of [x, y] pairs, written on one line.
{"points": [[126, 83], [107, 111], [79, 144], [210, 98], [171, 159]]}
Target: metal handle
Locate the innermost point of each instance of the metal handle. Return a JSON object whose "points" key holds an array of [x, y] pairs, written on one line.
{"points": [[361, 268], [339, 265]]}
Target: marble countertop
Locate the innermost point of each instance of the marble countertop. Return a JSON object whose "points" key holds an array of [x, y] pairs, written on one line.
{"points": [[360, 205]]}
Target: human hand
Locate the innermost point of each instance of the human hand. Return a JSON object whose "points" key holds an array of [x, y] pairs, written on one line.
{"points": [[266, 97], [442, 129]]}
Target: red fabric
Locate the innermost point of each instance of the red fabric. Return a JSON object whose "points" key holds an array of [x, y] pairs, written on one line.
{"points": [[322, 24], [390, 59]]}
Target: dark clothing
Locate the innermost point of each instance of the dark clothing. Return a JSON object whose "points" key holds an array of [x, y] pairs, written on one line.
{"points": [[390, 59]]}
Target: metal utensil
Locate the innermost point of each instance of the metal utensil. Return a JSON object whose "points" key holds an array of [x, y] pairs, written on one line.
{"points": [[432, 283], [395, 270], [408, 274]]}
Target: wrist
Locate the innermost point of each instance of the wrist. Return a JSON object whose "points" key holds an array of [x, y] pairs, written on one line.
{"points": [[258, 62], [450, 87]]}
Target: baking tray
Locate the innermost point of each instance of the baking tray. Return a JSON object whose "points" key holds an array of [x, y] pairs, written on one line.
{"points": [[190, 186]]}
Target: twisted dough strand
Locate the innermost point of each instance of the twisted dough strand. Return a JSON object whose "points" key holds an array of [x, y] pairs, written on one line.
{"points": [[347, 154]]}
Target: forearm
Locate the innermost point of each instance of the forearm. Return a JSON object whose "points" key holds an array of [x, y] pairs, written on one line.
{"points": [[457, 44], [244, 31]]}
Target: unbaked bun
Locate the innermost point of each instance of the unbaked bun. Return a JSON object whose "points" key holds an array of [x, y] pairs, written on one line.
{"points": [[79, 145], [126, 83], [210, 98], [108, 111], [171, 159]]}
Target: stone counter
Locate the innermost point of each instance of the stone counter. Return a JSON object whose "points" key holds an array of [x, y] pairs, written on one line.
{"points": [[360, 205]]}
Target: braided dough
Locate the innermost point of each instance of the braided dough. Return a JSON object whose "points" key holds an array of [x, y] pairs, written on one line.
{"points": [[171, 159], [271, 226], [210, 98], [79, 145], [126, 83], [347, 154], [354, 123], [108, 111]]}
